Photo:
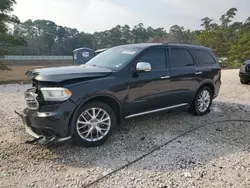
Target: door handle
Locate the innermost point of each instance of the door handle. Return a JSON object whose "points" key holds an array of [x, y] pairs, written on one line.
{"points": [[165, 77], [198, 72]]}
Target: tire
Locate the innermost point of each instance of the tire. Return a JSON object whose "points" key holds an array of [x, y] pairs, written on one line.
{"points": [[90, 131], [197, 108], [244, 81]]}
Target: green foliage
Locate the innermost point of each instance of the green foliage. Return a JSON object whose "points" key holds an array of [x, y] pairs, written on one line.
{"points": [[216, 40], [8, 41], [227, 39], [5, 15], [240, 48]]}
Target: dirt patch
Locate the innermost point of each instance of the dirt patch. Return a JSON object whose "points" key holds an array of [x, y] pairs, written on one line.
{"points": [[14, 71], [16, 74], [3, 67]]}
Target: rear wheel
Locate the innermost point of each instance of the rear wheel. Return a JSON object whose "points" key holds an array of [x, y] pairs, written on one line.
{"points": [[94, 124], [202, 101], [244, 81]]}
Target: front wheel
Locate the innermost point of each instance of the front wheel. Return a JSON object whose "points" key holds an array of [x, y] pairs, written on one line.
{"points": [[94, 124], [244, 81], [202, 101]]}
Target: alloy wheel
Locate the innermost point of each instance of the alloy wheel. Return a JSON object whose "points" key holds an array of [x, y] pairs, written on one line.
{"points": [[203, 101], [93, 124]]}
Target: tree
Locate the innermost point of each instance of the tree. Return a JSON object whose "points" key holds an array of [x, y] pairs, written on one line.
{"points": [[7, 41], [228, 17], [240, 48], [175, 34], [216, 40], [206, 23], [140, 34], [6, 7], [226, 38]]}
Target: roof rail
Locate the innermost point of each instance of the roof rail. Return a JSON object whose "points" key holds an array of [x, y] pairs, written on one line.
{"points": [[183, 43]]}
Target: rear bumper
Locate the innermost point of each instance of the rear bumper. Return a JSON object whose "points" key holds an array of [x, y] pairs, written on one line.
{"points": [[245, 75], [217, 88], [49, 121]]}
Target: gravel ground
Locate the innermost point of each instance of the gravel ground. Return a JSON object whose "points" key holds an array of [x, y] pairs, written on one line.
{"points": [[215, 155]]}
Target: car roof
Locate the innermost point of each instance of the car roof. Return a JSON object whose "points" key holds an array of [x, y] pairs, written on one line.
{"points": [[141, 45], [83, 48], [101, 50], [196, 46], [147, 45]]}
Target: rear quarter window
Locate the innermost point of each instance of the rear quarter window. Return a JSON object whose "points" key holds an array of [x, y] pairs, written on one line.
{"points": [[204, 58]]}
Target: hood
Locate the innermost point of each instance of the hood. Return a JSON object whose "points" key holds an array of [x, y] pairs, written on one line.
{"points": [[60, 74]]}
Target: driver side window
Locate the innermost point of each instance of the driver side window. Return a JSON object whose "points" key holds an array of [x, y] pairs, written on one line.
{"points": [[156, 57]]}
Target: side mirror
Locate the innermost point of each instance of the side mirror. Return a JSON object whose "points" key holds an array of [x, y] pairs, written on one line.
{"points": [[143, 67]]}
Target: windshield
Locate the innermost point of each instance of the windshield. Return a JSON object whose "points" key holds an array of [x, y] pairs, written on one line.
{"points": [[115, 58]]}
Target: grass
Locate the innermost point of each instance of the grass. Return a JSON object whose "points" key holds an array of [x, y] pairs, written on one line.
{"points": [[16, 74]]}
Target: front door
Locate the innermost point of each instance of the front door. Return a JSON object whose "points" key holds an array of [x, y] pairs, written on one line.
{"points": [[149, 90]]}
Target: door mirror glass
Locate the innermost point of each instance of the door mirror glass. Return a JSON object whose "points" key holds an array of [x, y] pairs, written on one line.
{"points": [[143, 67]]}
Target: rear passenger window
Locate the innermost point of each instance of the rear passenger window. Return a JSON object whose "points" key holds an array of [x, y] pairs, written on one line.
{"points": [[156, 57], [204, 58], [181, 58]]}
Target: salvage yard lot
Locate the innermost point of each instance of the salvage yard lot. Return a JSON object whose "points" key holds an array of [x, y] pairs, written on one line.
{"points": [[17, 73], [18, 69], [214, 155]]}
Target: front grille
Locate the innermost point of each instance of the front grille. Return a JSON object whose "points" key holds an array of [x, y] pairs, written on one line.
{"points": [[31, 100]]}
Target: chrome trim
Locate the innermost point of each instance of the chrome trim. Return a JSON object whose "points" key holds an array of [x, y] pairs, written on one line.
{"points": [[30, 98], [165, 77], [157, 110], [63, 139], [31, 133], [44, 114], [198, 73], [143, 66], [56, 139]]}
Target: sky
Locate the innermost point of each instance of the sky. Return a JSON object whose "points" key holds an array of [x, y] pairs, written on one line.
{"points": [[99, 15]]}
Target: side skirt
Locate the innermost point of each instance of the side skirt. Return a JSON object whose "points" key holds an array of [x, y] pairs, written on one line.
{"points": [[156, 110]]}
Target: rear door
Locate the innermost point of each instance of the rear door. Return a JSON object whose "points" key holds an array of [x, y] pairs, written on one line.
{"points": [[184, 75], [208, 66]]}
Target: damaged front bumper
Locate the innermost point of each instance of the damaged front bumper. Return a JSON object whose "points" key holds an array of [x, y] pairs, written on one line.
{"points": [[47, 126]]}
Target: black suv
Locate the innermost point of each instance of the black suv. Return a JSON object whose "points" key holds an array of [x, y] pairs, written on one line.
{"points": [[86, 102], [245, 72]]}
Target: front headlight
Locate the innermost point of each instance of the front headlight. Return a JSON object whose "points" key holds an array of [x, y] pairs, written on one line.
{"points": [[56, 94]]}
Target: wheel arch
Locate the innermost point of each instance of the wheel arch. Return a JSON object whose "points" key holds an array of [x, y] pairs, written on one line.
{"points": [[105, 98], [205, 83]]}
